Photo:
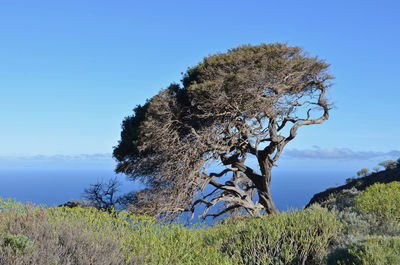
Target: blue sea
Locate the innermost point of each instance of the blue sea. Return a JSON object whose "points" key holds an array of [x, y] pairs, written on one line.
{"points": [[290, 189], [53, 187]]}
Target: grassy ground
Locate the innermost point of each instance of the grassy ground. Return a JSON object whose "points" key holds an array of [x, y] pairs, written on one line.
{"points": [[352, 227]]}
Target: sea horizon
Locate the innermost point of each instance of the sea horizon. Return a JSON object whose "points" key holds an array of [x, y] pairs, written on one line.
{"points": [[291, 189]]}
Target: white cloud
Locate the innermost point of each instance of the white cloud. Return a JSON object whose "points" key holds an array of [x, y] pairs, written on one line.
{"points": [[337, 153]]}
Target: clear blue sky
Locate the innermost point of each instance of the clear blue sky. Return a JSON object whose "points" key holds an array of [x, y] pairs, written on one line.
{"points": [[70, 71]]}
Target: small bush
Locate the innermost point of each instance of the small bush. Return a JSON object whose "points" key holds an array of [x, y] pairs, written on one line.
{"points": [[341, 200], [56, 240], [287, 238], [359, 182], [63, 235], [18, 244], [381, 200], [370, 250], [359, 224]]}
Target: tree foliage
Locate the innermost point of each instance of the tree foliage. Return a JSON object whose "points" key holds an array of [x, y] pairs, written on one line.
{"points": [[388, 164], [247, 102], [363, 172]]}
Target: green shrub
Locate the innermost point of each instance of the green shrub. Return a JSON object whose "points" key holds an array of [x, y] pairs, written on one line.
{"points": [[381, 200], [370, 250], [341, 200], [359, 182], [64, 235], [18, 244], [287, 238], [60, 241], [356, 222], [359, 224]]}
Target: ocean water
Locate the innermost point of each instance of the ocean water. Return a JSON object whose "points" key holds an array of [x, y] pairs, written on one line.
{"points": [[290, 189], [53, 187]]}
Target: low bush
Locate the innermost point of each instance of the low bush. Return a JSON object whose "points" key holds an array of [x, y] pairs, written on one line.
{"points": [[355, 224], [18, 244], [341, 200], [32, 235], [381, 200], [287, 238], [360, 222], [370, 250], [370, 226], [63, 235]]}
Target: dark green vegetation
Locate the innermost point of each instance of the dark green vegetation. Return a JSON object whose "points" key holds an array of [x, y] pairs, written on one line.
{"points": [[371, 225], [83, 236], [369, 250], [31, 235], [369, 211], [249, 101], [351, 227], [300, 237], [381, 200]]}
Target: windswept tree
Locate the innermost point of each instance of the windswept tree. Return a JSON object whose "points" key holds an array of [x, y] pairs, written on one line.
{"points": [[233, 108]]}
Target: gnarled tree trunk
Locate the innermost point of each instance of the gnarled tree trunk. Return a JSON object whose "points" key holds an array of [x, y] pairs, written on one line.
{"points": [[265, 200], [263, 186]]}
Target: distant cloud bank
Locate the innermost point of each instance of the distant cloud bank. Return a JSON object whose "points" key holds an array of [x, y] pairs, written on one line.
{"points": [[58, 161], [106, 161], [79, 157], [337, 153]]}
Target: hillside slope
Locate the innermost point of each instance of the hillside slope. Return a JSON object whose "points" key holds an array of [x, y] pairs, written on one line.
{"points": [[385, 176]]}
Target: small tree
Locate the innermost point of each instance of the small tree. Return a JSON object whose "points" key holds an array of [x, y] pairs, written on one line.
{"points": [[103, 195], [376, 169], [248, 102], [363, 172], [388, 164]]}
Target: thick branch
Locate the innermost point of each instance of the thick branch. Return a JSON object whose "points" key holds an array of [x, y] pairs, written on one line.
{"points": [[212, 175], [226, 210]]}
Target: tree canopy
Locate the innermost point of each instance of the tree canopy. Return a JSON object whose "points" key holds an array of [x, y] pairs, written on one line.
{"points": [[232, 108]]}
